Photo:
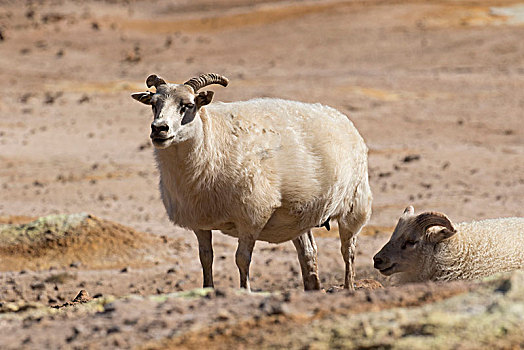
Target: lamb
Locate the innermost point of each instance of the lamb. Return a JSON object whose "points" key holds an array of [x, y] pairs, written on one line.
{"points": [[429, 247], [264, 169]]}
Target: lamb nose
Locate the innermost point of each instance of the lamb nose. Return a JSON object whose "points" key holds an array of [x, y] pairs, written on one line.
{"points": [[159, 127]]}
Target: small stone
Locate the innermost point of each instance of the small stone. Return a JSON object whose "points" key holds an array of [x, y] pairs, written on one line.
{"points": [[113, 329], [109, 307], [274, 307], [411, 158], [82, 297], [38, 285], [83, 99], [333, 289], [220, 293], [223, 315]]}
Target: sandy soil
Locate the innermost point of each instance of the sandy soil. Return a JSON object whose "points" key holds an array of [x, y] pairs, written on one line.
{"points": [[435, 88]]}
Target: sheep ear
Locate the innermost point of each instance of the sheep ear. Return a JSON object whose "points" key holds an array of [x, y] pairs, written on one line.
{"points": [[204, 98], [409, 210], [437, 234], [144, 97]]}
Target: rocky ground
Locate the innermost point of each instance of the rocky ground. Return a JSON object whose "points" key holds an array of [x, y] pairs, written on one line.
{"points": [[434, 87]]}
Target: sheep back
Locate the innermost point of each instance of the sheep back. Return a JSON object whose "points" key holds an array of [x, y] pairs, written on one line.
{"points": [[481, 248]]}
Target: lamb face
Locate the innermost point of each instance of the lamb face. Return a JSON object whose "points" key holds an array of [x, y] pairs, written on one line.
{"points": [[412, 244]]}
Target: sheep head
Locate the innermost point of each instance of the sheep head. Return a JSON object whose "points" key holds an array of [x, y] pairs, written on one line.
{"points": [[176, 106], [412, 244]]}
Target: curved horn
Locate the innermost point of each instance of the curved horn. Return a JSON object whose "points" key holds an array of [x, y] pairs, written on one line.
{"points": [[154, 80], [430, 219], [206, 79]]}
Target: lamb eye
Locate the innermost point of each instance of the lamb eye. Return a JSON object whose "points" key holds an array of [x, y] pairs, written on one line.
{"points": [[409, 243]]}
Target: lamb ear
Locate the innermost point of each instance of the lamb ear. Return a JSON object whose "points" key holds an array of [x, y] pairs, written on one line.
{"points": [[144, 97], [426, 221], [409, 210], [438, 234]]}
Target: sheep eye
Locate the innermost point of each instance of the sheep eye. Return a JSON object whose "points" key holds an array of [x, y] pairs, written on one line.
{"points": [[409, 243], [185, 107]]}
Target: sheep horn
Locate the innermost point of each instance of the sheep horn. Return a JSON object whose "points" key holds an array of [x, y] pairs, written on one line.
{"points": [[206, 79], [154, 80], [430, 219]]}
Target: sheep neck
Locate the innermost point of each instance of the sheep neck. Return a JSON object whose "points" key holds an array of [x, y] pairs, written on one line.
{"points": [[450, 258], [194, 167], [195, 160]]}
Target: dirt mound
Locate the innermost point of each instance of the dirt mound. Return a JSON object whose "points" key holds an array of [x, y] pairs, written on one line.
{"points": [[79, 240], [463, 314]]}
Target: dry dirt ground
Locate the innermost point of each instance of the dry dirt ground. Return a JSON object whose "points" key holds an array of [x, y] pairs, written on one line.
{"points": [[435, 88]]}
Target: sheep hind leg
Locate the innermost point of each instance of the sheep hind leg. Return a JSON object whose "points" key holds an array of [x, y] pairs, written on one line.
{"points": [[348, 232], [307, 256], [205, 252], [243, 259]]}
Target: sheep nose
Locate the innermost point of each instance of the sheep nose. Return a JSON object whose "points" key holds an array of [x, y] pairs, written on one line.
{"points": [[378, 261], [159, 126]]}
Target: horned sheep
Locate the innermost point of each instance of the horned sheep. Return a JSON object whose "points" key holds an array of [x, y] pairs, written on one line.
{"points": [[264, 169], [429, 246]]}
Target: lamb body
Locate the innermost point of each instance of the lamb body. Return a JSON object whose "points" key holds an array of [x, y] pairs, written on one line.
{"points": [[429, 247], [264, 169]]}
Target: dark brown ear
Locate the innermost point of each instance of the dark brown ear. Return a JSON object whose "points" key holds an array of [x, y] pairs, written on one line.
{"points": [[204, 98], [154, 80], [144, 97]]}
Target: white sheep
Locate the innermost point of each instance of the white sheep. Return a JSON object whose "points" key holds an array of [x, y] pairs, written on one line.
{"points": [[429, 247], [264, 169]]}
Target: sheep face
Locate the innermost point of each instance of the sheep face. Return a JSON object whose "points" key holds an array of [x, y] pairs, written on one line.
{"points": [[412, 245], [175, 107]]}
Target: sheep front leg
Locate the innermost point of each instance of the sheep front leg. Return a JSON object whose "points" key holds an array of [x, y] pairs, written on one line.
{"points": [[243, 259], [307, 256], [205, 252]]}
